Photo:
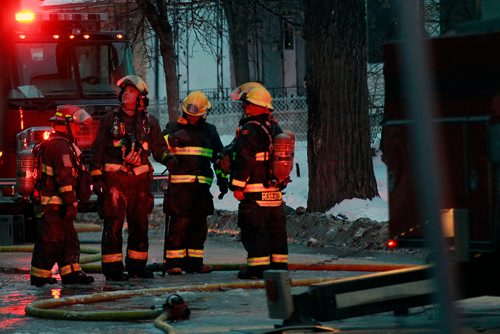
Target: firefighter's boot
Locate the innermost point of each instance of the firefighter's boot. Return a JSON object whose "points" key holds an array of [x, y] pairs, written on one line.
{"points": [[174, 271], [41, 281], [141, 273], [200, 269], [77, 277], [116, 277], [251, 273]]}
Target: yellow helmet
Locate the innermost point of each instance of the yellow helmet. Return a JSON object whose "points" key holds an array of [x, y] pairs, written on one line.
{"points": [[259, 96], [196, 104], [238, 92], [134, 81]]}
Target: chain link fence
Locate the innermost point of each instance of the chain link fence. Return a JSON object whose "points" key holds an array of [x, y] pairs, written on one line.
{"points": [[291, 113]]}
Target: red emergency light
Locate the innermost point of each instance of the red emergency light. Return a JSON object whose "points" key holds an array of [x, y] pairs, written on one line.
{"points": [[25, 16], [47, 134], [391, 244]]}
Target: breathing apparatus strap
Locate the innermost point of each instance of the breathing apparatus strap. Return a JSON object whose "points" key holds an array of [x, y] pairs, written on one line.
{"points": [[68, 129], [268, 162]]}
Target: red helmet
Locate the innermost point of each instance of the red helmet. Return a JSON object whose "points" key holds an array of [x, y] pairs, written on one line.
{"points": [[70, 113]]}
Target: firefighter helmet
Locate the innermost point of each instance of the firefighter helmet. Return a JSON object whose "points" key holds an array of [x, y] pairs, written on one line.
{"points": [[239, 92], [196, 104], [70, 113], [259, 96], [134, 81]]}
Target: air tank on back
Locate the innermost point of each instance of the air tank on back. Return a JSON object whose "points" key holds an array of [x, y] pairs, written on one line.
{"points": [[283, 156], [26, 164]]}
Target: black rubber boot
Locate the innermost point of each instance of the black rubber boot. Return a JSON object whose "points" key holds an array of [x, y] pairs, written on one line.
{"points": [[116, 277], [144, 273], [174, 271], [77, 277], [250, 273], [201, 269], [41, 281]]}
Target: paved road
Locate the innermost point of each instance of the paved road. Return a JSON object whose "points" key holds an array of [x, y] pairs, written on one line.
{"points": [[224, 311]]}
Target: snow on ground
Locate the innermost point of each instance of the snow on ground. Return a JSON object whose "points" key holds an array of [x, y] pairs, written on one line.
{"points": [[375, 209]]}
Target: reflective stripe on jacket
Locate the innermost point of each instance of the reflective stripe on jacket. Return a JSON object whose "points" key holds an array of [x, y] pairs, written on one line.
{"points": [[195, 156]]}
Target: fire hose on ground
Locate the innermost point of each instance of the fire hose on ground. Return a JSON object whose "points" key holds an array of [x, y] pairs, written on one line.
{"points": [[49, 308], [46, 308], [95, 252], [90, 267]]}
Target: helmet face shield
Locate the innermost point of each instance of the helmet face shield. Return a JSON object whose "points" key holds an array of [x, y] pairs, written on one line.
{"points": [[81, 116], [239, 92]]}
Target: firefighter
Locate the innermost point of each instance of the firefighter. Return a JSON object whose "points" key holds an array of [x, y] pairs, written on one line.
{"points": [[188, 201], [122, 175], [261, 214], [57, 240]]}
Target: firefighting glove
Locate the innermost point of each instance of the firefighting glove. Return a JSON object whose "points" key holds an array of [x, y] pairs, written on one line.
{"points": [[223, 184], [224, 162], [133, 158], [98, 185], [71, 211], [170, 161], [178, 138]]}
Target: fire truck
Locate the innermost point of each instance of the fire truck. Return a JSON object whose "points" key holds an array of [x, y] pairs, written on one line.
{"points": [[465, 73], [53, 58]]}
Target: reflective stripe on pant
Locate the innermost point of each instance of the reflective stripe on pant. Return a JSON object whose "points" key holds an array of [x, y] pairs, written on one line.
{"points": [[263, 234], [184, 241], [187, 206], [57, 241], [128, 196], [69, 269]]}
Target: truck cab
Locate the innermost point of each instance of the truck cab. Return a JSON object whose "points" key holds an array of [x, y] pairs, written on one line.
{"points": [[54, 58]]}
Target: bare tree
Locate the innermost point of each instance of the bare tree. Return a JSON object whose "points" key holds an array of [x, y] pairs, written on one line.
{"points": [[171, 21], [156, 12], [339, 154], [237, 12]]}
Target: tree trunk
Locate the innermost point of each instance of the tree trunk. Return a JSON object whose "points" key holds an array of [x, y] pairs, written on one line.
{"points": [[157, 15], [237, 12], [339, 153]]}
